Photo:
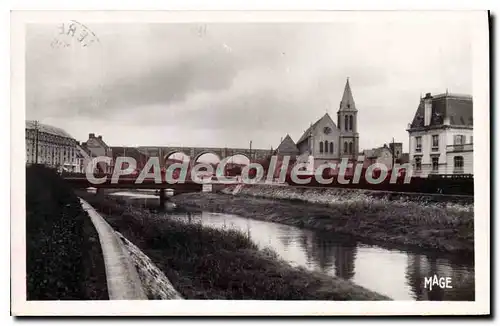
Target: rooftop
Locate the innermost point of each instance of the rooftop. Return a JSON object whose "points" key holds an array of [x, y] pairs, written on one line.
{"points": [[287, 146], [457, 108], [30, 124], [309, 130]]}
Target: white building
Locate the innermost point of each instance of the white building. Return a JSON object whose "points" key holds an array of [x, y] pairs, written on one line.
{"points": [[441, 135], [50, 146], [82, 159]]}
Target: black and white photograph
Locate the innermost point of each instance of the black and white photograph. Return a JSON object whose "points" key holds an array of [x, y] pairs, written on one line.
{"points": [[213, 163]]}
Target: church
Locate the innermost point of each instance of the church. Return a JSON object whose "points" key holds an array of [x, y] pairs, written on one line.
{"points": [[327, 140]]}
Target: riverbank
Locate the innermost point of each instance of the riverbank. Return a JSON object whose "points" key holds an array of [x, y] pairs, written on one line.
{"points": [[447, 228], [64, 259], [206, 263]]}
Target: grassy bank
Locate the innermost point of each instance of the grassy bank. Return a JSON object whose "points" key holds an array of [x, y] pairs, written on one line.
{"points": [[206, 263], [442, 227], [63, 254], [328, 196]]}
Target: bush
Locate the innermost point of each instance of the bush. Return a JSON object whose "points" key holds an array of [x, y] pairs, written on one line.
{"points": [[63, 256]]}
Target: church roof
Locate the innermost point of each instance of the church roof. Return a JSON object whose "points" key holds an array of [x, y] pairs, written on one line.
{"points": [[312, 127], [347, 103], [287, 146], [458, 108]]}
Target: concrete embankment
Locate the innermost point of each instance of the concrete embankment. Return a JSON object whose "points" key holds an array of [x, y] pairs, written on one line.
{"points": [[131, 275], [445, 227], [155, 283], [122, 277]]}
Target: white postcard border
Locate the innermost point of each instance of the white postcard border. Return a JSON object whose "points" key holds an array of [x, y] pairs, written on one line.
{"points": [[216, 307]]}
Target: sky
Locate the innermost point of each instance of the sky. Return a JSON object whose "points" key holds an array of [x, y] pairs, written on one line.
{"points": [[226, 84]]}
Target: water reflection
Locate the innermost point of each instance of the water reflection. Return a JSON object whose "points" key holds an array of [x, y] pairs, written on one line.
{"points": [[397, 274], [327, 255]]}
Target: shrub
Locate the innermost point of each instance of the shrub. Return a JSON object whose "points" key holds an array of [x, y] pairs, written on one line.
{"points": [[60, 240]]}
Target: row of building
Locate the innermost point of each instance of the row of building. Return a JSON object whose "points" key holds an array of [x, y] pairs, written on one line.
{"points": [[54, 147], [440, 138]]}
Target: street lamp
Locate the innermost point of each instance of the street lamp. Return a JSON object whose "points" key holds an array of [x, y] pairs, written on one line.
{"points": [[35, 139]]}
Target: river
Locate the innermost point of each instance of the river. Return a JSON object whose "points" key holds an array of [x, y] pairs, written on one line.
{"points": [[396, 273]]}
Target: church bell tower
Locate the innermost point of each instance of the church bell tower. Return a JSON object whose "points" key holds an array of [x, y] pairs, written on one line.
{"points": [[347, 122]]}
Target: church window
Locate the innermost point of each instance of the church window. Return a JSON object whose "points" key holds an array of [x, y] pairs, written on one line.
{"points": [[321, 147], [331, 147], [345, 147], [350, 122], [326, 146], [346, 122], [350, 148]]}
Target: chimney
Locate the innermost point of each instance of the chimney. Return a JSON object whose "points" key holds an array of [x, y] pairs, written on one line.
{"points": [[100, 137], [427, 109], [92, 135]]}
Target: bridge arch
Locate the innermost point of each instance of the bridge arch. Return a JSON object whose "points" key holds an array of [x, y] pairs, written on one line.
{"points": [[199, 155], [182, 157], [239, 156]]}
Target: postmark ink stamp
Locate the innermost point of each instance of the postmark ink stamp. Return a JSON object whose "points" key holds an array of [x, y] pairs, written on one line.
{"points": [[73, 33]]}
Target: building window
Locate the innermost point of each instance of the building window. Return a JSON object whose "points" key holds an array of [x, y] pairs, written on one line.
{"points": [[346, 122], [418, 144], [459, 140], [350, 122], [418, 163], [471, 140], [345, 147], [350, 148], [321, 147], [331, 147], [326, 146], [435, 142], [458, 164], [435, 164]]}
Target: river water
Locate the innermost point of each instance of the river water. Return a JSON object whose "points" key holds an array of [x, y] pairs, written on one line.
{"points": [[395, 273]]}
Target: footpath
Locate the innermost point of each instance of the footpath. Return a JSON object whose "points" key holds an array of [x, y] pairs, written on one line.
{"points": [[122, 277]]}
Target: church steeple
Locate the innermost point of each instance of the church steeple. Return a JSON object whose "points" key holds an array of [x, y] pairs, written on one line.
{"points": [[347, 122], [347, 102]]}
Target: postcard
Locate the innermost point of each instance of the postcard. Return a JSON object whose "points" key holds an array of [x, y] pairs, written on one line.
{"points": [[316, 163]]}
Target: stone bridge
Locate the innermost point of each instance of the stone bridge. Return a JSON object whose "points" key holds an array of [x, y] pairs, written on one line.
{"points": [[195, 152]]}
